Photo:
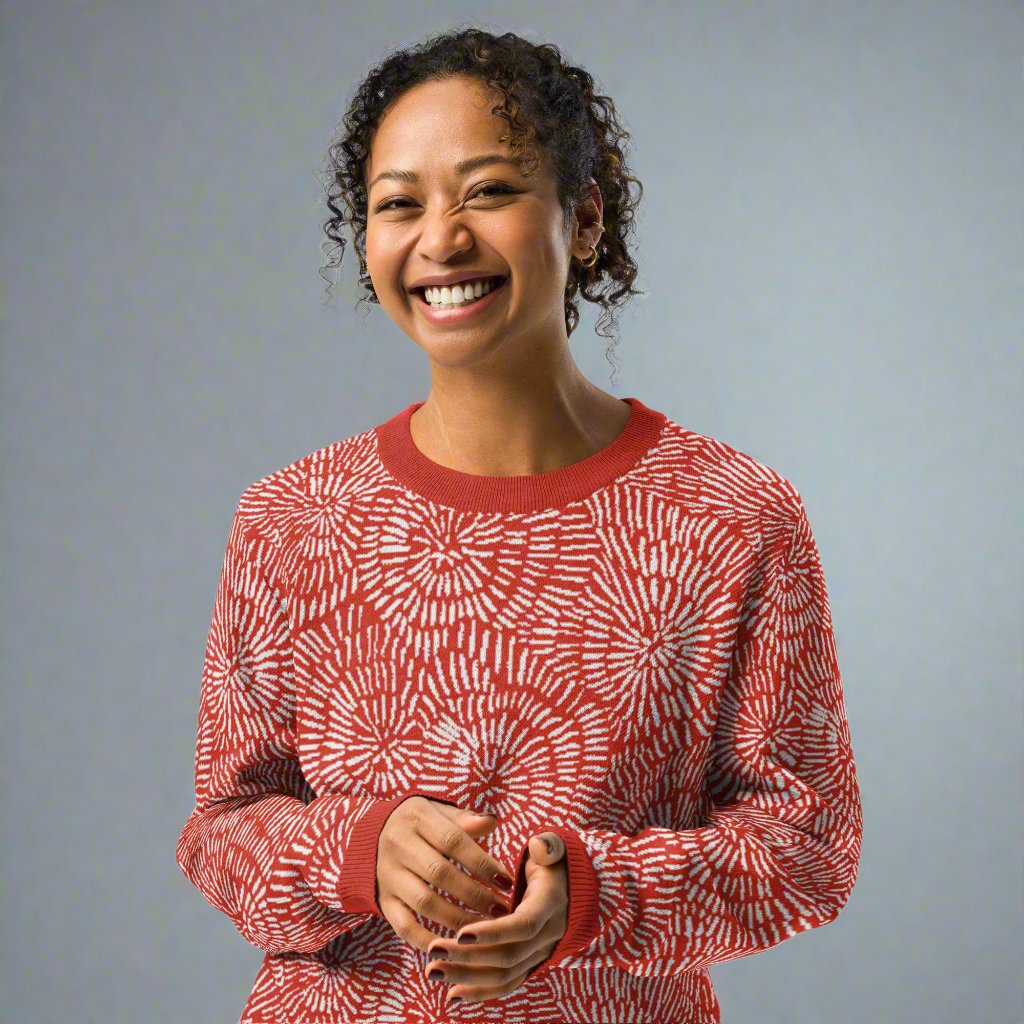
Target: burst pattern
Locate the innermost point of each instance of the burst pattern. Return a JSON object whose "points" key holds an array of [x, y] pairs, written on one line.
{"points": [[635, 651]]}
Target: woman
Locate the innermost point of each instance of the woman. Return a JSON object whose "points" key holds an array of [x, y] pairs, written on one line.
{"points": [[522, 628]]}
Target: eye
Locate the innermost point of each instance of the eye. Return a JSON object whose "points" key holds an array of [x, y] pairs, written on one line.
{"points": [[497, 188]]}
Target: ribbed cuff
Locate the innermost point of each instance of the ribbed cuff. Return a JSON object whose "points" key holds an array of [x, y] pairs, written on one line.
{"points": [[357, 886], [584, 885]]}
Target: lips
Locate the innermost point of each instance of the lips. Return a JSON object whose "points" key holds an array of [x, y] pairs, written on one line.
{"points": [[454, 315]]}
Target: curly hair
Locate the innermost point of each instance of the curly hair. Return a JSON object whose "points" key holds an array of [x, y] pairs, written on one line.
{"points": [[545, 101]]}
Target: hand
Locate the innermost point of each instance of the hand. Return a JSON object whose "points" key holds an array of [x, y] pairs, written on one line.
{"points": [[506, 950], [413, 851]]}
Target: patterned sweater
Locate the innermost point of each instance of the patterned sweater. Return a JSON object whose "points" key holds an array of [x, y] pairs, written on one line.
{"points": [[634, 651]]}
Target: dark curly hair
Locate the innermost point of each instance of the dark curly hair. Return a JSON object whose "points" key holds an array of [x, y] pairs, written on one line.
{"points": [[545, 101]]}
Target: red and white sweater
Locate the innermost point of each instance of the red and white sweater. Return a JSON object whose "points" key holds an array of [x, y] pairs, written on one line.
{"points": [[634, 651]]}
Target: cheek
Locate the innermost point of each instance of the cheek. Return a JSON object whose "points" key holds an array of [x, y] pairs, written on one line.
{"points": [[542, 252], [381, 240], [382, 265], [375, 253]]}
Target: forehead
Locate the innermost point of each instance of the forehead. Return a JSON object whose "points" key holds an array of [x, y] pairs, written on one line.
{"points": [[437, 124]]}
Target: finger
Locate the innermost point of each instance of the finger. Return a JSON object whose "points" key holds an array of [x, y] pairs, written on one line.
{"points": [[522, 924], [403, 922], [490, 965], [547, 847], [474, 822], [448, 837], [432, 868], [422, 900], [539, 904], [508, 956], [479, 990]]}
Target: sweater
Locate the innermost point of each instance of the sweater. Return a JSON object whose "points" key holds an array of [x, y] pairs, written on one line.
{"points": [[634, 651]]}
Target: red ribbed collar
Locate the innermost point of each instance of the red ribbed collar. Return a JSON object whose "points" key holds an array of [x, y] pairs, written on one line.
{"points": [[553, 489]]}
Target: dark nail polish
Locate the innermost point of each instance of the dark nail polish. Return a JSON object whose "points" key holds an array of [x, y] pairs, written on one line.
{"points": [[436, 974], [502, 882], [454, 999], [438, 954], [497, 910], [463, 939]]}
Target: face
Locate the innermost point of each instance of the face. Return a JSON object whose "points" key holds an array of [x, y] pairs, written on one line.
{"points": [[486, 221]]}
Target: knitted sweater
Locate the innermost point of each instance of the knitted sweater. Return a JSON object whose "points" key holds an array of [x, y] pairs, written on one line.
{"points": [[634, 651]]}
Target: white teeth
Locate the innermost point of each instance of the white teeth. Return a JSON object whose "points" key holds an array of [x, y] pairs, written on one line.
{"points": [[460, 294]]}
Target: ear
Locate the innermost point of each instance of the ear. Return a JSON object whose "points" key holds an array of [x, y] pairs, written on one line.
{"points": [[589, 214]]}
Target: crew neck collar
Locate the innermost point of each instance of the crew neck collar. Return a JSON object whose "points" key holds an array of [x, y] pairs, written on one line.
{"points": [[532, 492]]}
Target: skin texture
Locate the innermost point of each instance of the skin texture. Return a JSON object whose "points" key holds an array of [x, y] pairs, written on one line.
{"points": [[506, 398], [506, 395], [497, 962], [415, 845], [421, 842]]}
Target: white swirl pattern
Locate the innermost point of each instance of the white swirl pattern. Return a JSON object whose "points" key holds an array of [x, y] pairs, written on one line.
{"points": [[636, 652]]}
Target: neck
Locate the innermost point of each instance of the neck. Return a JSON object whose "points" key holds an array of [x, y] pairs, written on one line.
{"points": [[513, 428]]}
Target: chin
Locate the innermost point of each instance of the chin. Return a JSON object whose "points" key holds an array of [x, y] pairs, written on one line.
{"points": [[459, 352]]}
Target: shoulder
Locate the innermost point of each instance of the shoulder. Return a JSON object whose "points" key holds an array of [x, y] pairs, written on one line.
{"points": [[287, 500], [715, 478]]}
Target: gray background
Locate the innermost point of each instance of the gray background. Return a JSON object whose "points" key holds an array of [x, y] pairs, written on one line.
{"points": [[831, 240]]}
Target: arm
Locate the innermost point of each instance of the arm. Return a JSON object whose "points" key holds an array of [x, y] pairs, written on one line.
{"points": [[778, 850], [292, 870]]}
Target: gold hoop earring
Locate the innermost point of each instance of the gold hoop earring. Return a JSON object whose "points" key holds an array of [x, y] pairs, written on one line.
{"points": [[591, 260]]}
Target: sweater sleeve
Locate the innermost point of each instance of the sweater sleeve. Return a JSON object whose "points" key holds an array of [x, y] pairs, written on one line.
{"points": [[778, 848], [292, 870]]}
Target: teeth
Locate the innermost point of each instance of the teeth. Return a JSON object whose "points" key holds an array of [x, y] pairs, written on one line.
{"points": [[459, 295]]}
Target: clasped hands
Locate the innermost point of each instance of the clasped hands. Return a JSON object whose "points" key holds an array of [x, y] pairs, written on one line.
{"points": [[490, 956]]}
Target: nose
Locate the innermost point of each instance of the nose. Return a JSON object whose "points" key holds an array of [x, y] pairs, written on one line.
{"points": [[443, 237]]}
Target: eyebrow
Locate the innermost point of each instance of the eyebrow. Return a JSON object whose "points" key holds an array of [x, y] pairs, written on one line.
{"points": [[462, 168]]}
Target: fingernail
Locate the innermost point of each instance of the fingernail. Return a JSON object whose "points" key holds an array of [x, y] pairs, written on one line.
{"points": [[436, 974], [454, 999], [497, 910], [547, 845], [502, 882], [438, 954], [469, 937]]}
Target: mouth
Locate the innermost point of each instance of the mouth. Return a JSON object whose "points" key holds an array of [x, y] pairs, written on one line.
{"points": [[452, 313]]}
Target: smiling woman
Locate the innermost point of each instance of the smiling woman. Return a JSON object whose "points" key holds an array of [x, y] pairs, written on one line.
{"points": [[527, 696], [424, 127]]}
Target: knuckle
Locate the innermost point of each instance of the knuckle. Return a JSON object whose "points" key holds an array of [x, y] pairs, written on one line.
{"points": [[451, 840], [437, 872], [423, 902], [508, 958]]}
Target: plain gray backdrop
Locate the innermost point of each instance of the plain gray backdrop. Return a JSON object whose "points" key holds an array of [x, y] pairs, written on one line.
{"points": [[831, 240]]}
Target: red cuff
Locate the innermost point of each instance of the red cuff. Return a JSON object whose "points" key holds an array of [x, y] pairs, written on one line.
{"points": [[582, 922], [356, 888]]}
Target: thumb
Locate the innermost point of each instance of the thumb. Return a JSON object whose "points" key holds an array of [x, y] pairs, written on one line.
{"points": [[547, 847]]}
